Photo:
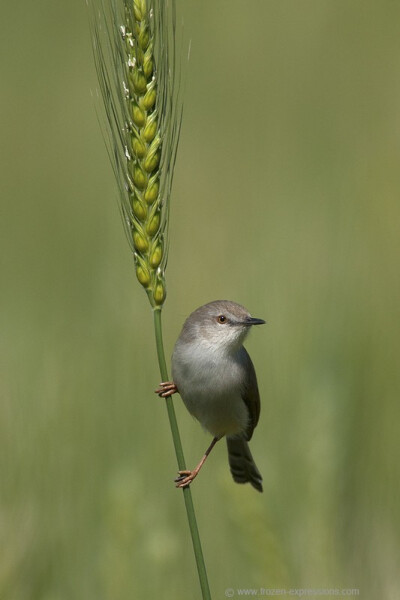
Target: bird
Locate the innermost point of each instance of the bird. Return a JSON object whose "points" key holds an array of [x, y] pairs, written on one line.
{"points": [[216, 379]]}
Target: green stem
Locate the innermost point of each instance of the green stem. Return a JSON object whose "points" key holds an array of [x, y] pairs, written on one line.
{"points": [[198, 553]]}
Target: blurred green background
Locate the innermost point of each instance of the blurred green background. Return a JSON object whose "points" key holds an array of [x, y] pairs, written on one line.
{"points": [[286, 199]]}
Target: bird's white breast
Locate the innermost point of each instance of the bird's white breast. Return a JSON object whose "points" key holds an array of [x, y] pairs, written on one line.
{"points": [[210, 385]]}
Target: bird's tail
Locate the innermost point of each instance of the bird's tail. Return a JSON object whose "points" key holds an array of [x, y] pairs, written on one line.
{"points": [[243, 467]]}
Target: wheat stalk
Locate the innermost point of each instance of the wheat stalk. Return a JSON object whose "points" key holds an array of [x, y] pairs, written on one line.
{"points": [[133, 43]]}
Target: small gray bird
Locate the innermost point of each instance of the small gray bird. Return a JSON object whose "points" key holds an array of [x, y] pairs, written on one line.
{"points": [[216, 379]]}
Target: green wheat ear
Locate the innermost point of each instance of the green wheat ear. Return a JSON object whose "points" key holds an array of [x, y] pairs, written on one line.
{"points": [[135, 60]]}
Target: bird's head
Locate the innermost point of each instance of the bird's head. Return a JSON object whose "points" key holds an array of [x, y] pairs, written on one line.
{"points": [[219, 325]]}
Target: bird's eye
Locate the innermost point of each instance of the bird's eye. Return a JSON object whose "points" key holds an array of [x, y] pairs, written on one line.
{"points": [[221, 319]]}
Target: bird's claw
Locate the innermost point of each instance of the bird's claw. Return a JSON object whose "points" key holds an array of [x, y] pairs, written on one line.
{"points": [[166, 388], [185, 478]]}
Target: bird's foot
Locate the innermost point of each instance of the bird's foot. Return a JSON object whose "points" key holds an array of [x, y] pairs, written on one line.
{"points": [[166, 388], [185, 478]]}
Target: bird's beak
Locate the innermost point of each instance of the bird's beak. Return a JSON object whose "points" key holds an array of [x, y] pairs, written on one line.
{"points": [[254, 321]]}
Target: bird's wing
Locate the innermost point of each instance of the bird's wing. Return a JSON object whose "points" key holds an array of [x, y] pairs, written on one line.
{"points": [[250, 394]]}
